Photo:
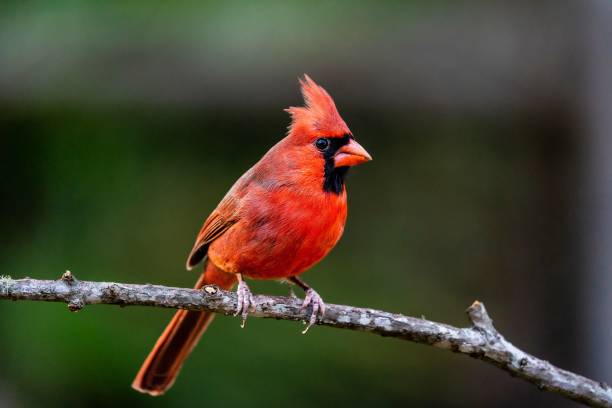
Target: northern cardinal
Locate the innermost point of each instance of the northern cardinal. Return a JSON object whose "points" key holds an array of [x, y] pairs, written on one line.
{"points": [[280, 218]]}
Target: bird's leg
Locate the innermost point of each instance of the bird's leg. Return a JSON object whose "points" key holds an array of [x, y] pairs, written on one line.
{"points": [[245, 300], [312, 298]]}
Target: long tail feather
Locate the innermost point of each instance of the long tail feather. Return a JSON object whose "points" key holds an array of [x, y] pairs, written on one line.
{"points": [[162, 366]]}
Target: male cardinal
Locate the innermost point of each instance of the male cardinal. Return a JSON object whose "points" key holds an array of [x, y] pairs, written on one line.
{"points": [[280, 218]]}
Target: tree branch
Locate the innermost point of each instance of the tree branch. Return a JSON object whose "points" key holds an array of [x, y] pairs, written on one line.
{"points": [[481, 340]]}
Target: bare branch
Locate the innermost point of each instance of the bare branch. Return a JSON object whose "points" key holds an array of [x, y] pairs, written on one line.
{"points": [[481, 340]]}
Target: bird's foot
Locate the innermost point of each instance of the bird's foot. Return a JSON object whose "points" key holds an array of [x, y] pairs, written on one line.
{"points": [[318, 307], [245, 301]]}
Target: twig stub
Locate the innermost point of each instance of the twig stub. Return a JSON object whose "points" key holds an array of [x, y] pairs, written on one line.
{"points": [[68, 278], [479, 317]]}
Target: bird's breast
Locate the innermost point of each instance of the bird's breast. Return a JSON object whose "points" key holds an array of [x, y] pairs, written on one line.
{"points": [[281, 233]]}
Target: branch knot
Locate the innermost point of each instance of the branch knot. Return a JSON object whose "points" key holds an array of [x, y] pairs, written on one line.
{"points": [[68, 278], [479, 317], [76, 300]]}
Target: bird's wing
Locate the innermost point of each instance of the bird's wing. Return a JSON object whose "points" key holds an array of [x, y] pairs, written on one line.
{"points": [[213, 228], [222, 218], [225, 215]]}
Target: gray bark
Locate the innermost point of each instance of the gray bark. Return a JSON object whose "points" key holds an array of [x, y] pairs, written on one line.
{"points": [[480, 340]]}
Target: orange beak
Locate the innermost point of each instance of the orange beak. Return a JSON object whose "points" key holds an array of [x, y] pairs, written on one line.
{"points": [[351, 154]]}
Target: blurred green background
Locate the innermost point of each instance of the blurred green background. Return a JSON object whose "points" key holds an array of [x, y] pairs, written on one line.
{"points": [[122, 124]]}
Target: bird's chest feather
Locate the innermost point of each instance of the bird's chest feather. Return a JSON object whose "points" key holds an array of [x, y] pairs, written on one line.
{"points": [[281, 233]]}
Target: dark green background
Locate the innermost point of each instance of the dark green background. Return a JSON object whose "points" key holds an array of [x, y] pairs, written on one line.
{"points": [[111, 178]]}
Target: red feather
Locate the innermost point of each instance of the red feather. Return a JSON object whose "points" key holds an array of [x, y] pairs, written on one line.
{"points": [[319, 117], [277, 221]]}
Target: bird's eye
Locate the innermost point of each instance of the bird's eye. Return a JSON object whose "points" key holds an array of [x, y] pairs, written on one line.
{"points": [[322, 143]]}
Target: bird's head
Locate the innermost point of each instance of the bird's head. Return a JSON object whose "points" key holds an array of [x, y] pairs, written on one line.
{"points": [[319, 131]]}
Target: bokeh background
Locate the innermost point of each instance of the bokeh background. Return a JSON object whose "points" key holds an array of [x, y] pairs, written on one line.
{"points": [[123, 123]]}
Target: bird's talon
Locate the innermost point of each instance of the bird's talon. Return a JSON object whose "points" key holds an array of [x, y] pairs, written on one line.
{"points": [[318, 307], [246, 302]]}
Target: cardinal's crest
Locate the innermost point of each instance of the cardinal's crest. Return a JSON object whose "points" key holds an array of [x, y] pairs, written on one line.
{"points": [[319, 116]]}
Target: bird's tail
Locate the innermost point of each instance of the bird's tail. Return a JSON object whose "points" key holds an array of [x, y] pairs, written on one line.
{"points": [[164, 362]]}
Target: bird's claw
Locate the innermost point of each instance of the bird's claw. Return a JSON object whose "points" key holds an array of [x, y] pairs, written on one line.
{"points": [[245, 301], [318, 307]]}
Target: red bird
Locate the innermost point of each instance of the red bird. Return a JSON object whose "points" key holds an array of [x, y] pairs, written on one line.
{"points": [[280, 218]]}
